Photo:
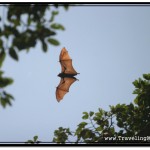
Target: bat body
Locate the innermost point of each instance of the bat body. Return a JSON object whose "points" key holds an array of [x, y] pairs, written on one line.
{"points": [[67, 75], [63, 75]]}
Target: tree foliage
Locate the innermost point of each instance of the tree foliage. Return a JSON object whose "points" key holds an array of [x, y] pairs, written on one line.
{"points": [[34, 141], [22, 27], [5, 98], [123, 123], [121, 120]]}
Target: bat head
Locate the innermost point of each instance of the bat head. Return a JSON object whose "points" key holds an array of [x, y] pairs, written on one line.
{"points": [[59, 75]]}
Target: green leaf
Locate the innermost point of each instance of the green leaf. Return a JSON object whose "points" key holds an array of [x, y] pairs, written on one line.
{"points": [[66, 7], [53, 42], [106, 123], [8, 95], [120, 132], [78, 131], [91, 113], [5, 101], [86, 133], [44, 45], [30, 141], [61, 129], [83, 133], [15, 21], [35, 138], [68, 131], [136, 84], [120, 124], [1, 42], [54, 13], [98, 114], [99, 128], [1, 72], [57, 26], [85, 116], [13, 53], [136, 100], [82, 124], [131, 106], [2, 58], [5, 82], [146, 76], [136, 91], [112, 130], [29, 20]]}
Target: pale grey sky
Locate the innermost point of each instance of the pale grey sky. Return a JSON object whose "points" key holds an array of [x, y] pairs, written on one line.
{"points": [[110, 48]]}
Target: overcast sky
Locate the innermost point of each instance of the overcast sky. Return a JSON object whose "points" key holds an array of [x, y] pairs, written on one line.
{"points": [[110, 48]]}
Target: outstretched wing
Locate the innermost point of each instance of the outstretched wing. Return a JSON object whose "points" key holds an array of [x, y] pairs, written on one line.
{"points": [[66, 62], [63, 87]]}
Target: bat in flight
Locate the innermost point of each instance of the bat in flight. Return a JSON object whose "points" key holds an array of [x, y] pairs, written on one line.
{"points": [[67, 75]]}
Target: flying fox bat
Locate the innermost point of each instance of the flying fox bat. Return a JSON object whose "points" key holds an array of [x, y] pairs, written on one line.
{"points": [[67, 75]]}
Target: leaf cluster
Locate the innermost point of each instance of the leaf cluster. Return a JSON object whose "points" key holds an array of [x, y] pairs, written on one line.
{"points": [[5, 98], [28, 24], [34, 141], [126, 120], [22, 27]]}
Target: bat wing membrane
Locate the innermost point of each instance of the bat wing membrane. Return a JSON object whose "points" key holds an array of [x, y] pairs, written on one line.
{"points": [[63, 87], [66, 62]]}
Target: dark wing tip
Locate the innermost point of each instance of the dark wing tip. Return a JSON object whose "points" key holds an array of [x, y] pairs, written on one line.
{"points": [[58, 100]]}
